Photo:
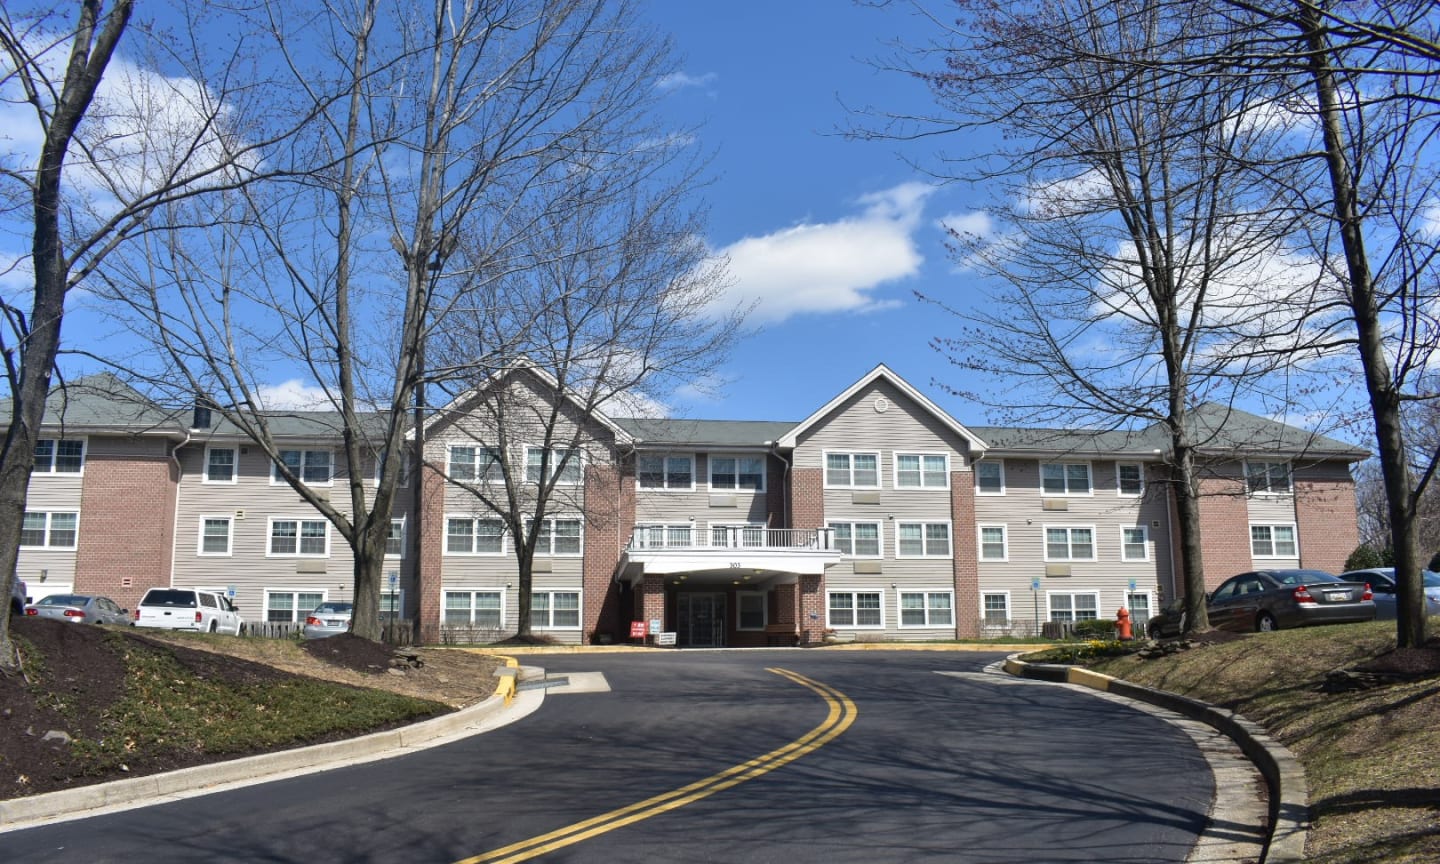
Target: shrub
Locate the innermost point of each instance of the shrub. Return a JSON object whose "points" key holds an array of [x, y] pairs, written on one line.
{"points": [[1102, 628], [1366, 556]]}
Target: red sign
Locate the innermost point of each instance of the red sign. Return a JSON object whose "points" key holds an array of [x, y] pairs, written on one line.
{"points": [[638, 629]]}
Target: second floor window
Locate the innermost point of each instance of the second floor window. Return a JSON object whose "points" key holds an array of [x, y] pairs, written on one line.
{"points": [[1267, 478], [220, 465], [737, 472], [666, 472], [300, 537], [311, 466], [59, 456], [1065, 478], [921, 470], [861, 539], [571, 472], [852, 470], [990, 478]]}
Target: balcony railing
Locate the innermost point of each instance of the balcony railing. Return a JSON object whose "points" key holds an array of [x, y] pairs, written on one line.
{"points": [[689, 537]]}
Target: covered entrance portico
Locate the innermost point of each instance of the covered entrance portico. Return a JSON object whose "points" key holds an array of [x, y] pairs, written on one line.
{"points": [[741, 589]]}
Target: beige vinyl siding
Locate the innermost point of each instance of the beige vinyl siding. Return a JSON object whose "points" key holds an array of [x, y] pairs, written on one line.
{"points": [[857, 427], [1272, 508], [52, 493]]}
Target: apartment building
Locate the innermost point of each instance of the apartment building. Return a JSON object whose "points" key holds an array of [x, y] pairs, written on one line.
{"points": [[878, 516]]}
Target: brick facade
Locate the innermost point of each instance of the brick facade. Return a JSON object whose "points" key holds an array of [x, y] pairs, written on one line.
{"points": [[966, 562], [126, 539], [1325, 523], [432, 538], [1224, 529], [609, 522], [812, 609], [807, 498]]}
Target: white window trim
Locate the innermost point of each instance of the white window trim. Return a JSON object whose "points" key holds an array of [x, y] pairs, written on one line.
{"points": [[853, 592], [277, 480], [895, 471], [1090, 476], [950, 536], [825, 468], [234, 467], [297, 614], [404, 536], [1270, 493], [580, 608], [1140, 592], [403, 480], [924, 592], [1145, 530], [642, 530], [229, 536], [980, 542], [298, 520], [540, 553], [1118, 491], [1050, 602], [879, 537], [1009, 608], [737, 489], [976, 469], [472, 592], [49, 522], [764, 611], [50, 471], [1294, 534], [576, 463], [665, 472], [1045, 543], [399, 593], [474, 521]]}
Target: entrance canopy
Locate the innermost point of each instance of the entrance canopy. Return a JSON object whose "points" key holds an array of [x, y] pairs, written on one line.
{"points": [[753, 557]]}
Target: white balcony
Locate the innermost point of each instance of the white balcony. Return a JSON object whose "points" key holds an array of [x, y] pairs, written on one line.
{"points": [[739, 553]]}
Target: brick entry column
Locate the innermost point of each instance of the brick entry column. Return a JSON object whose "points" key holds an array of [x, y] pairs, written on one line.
{"points": [[652, 598], [812, 609], [127, 519], [966, 560], [428, 575]]}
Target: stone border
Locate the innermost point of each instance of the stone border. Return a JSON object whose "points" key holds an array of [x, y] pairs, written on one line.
{"points": [[1289, 793]]}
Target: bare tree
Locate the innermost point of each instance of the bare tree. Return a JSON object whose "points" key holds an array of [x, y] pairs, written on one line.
{"points": [[437, 134], [1139, 267]]}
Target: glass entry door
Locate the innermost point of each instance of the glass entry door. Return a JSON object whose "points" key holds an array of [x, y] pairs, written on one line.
{"points": [[702, 620]]}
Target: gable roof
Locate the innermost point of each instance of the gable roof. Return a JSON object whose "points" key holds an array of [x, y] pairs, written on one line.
{"points": [[657, 432], [791, 438], [444, 412], [103, 402]]}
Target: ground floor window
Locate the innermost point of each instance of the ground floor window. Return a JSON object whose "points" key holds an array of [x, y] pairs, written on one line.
{"points": [[1273, 541], [996, 609], [1139, 605], [1074, 607], [473, 609], [40, 530], [288, 607], [855, 609], [751, 609], [555, 610], [926, 609], [392, 606]]}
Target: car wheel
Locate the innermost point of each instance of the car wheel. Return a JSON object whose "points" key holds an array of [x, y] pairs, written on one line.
{"points": [[213, 627], [1266, 623]]}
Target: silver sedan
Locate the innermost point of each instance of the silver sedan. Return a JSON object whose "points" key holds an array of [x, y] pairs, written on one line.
{"points": [[80, 609], [328, 619]]}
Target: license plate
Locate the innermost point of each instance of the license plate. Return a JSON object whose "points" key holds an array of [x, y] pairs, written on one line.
{"points": [[1335, 596]]}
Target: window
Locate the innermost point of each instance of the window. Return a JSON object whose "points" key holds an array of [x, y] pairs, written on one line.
{"points": [[558, 537], [392, 606], [40, 530], [467, 535], [852, 470], [1130, 479], [474, 609], [1069, 544], [1139, 605], [59, 456], [858, 539], [555, 610], [475, 464], [666, 472], [290, 607], [214, 535], [737, 472], [1074, 607], [311, 466], [922, 470], [926, 609], [403, 477], [1267, 478], [571, 473], [993, 546], [990, 478], [996, 609], [1273, 541], [751, 609], [664, 536], [395, 540], [1134, 543], [855, 609], [1065, 478], [306, 538], [220, 465], [922, 540]]}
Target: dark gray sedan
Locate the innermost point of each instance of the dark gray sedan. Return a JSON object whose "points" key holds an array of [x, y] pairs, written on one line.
{"points": [[1272, 599], [80, 609]]}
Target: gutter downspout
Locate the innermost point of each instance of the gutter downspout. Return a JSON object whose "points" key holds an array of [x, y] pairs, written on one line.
{"points": [[175, 519]]}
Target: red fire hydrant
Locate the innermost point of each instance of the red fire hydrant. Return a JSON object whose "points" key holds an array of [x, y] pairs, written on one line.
{"points": [[1122, 624]]}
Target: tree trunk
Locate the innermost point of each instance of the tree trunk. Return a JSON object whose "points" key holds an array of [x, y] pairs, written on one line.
{"points": [[1187, 511]]}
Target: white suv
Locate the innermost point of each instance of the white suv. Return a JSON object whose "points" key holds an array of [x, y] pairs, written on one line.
{"points": [[188, 609]]}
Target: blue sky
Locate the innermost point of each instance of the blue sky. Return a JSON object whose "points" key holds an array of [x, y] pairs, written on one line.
{"points": [[831, 236]]}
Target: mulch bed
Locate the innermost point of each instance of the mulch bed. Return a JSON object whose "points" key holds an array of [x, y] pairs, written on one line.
{"points": [[1419, 662], [351, 652]]}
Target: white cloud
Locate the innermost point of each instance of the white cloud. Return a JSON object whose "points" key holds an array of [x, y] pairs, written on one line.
{"points": [[829, 266], [976, 223], [293, 395], [681, 80]]}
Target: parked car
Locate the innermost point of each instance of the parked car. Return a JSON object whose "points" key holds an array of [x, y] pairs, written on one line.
{"points": [[18, 598], [1168, 622], [188, 609], [80, 609], [1274, 599], [1382, 582], [328, 619]]}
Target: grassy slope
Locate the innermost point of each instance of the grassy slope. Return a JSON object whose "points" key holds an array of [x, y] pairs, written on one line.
{"points": [[1372, 758]]}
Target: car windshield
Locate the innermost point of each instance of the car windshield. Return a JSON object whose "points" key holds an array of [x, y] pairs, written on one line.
{"points": [[332, 608], [1297, 577], [1432, 579], [167, 597], [63, 600]]}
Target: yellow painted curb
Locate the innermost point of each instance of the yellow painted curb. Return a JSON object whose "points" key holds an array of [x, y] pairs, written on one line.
{"points": [[508, 678], [1093, 680]]}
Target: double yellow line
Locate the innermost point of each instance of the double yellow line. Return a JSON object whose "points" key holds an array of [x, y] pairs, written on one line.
{"points": [[841, 715]]}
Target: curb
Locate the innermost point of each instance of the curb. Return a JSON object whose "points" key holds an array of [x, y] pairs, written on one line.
{"points": [[136, 791], [1284, 777]]}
